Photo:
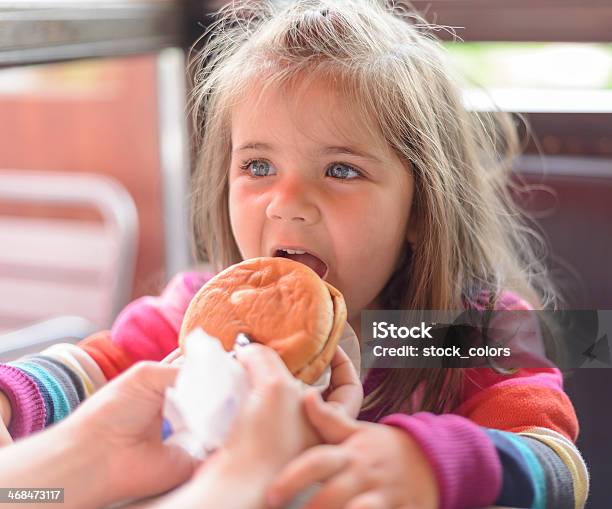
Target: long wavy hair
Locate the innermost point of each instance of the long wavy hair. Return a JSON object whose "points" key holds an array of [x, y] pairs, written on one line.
{"points": [[386, 60]]}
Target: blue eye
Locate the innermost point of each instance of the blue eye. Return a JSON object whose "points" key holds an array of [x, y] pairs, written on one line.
{"points": [[342, 171], [257, 168]]}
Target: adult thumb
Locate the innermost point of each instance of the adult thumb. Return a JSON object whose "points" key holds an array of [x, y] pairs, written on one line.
{"points": [[178, 465]]}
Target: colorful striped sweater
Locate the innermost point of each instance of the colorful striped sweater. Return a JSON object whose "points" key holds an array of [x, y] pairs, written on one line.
{"points": [[510, 441]]}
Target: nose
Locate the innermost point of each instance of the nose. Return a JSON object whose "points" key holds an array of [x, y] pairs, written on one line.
{"points": [[293, 200]]}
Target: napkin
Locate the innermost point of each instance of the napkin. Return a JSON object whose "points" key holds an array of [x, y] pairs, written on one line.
{"points": [[211, 386]]}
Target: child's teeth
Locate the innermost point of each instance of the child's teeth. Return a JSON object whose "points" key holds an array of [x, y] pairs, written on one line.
{"points": [[294, 251]]}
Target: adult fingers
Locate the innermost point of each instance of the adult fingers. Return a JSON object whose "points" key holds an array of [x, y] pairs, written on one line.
{"points": [[263, 365], [149, 375], [167, 466], [173, 355], [177, 464]]}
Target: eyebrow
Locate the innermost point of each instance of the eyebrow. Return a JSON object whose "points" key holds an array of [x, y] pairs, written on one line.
{"points": [[325, 151]]}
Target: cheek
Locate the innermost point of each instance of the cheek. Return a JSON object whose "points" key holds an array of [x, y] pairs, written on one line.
{"points": [[235, 211], [368, 240], [372, 230], [246, 219]]}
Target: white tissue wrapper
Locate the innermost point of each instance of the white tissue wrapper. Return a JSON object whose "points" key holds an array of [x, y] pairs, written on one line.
{"points": [[208, 391], [212, 385]]}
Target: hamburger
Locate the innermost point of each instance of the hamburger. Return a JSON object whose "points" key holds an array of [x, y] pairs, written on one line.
{"points": [[275, 301]]}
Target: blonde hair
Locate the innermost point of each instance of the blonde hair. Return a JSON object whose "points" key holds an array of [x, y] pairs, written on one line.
{"points": [[386, 60]]}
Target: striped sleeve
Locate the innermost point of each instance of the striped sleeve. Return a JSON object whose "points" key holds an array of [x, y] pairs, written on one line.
{"points": [[58, 404], [81, 362], [75, 380], [533, 426], [111, 359], [530, 411], [61, 377], [558, 445], [531, 467], [61, 354], [64, 374], [558, 479], [522, 476], [26, 401]]}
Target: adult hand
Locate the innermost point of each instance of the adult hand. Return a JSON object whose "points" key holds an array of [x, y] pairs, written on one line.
{"points": [[110, 449], [125, 419], [174, 357]]}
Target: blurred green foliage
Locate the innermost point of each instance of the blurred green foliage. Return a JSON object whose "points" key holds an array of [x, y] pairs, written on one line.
{"points": [[534, 65]]}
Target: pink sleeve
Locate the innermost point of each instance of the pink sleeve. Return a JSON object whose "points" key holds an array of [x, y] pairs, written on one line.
{"points": [[147, 329], [464, 460]]}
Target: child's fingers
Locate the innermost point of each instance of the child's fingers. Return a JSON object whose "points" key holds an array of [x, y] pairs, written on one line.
{"points": [[369, 500], [5, 419], [336, 493], [345, 389], [315, 465], [342, 369], [5, 436], [331, 423], [347, 398]]}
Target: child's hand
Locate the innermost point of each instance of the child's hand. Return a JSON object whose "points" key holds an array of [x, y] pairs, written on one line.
{"points": [[366, 465], [5, 436], [345, 390], [5, 419]]}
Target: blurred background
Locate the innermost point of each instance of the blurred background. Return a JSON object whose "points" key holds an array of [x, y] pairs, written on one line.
{"points": [[95, 157]]}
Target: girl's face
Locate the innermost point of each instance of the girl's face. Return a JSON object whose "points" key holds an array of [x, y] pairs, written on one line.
{"points": [[306, 175]]}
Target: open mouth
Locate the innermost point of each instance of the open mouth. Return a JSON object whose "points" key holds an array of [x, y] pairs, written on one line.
{"points": [[316, 264]]}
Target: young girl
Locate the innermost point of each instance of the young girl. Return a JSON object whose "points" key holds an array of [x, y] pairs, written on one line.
{"points": [[333, 133]]}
